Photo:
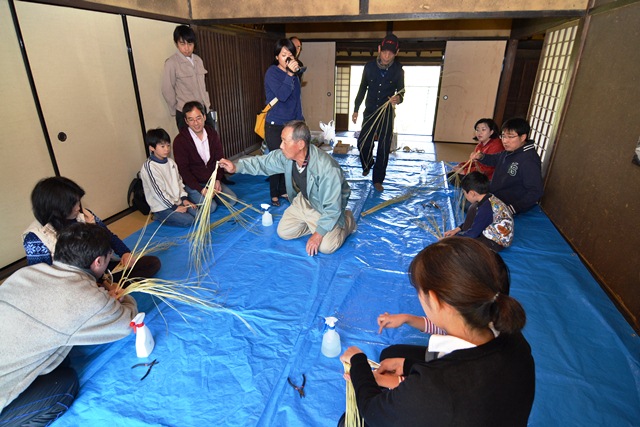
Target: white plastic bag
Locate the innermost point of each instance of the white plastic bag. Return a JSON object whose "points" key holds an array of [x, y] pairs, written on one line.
{"points": [[328, 132]]}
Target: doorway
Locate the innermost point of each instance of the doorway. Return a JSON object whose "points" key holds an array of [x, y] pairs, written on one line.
{"points": [[416, 114]]}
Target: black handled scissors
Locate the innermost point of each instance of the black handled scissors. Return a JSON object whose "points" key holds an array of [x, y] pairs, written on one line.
{"points": [[150, 365]]}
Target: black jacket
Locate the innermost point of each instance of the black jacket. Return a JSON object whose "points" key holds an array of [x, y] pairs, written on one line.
{"points": [[379, 86], [489, 385], [517, 179]]}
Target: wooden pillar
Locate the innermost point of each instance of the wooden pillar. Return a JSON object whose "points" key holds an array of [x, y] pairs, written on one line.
{"points": [[505, 80]]}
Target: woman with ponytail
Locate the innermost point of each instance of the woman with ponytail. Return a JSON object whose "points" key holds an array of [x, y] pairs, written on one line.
{"points": [[480, 374]]}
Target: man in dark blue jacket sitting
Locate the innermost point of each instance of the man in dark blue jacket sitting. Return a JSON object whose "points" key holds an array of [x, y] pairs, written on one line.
{"points": [[517, 179]]}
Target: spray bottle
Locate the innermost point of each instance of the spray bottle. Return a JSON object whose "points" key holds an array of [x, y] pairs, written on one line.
{"points": [[144, 339], [331, 340], [267, 219]]}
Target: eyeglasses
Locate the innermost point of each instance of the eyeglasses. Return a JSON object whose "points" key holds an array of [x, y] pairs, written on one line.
{"points": [[194, 119], [503, 136]]}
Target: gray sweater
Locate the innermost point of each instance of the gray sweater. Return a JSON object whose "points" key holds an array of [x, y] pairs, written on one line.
{"points": [[45, 311]]}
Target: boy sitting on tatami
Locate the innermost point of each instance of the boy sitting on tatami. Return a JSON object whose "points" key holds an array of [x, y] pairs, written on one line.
{"points": [[488, 218], [163, 186]]}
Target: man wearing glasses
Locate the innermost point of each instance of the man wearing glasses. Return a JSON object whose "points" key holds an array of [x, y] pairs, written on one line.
{"points": [[517, 179], [196, 150]]}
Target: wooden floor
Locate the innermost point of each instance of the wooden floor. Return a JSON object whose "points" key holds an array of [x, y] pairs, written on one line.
{"points": [[449, 152], [128, 224]]}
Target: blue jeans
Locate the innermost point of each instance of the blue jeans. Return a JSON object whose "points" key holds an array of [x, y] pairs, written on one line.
{"points": [[196, 197], [179, 219], [44, 401]]}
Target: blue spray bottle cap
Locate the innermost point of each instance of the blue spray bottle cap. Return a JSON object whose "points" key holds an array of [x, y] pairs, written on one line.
{"points": [[330, 322]]}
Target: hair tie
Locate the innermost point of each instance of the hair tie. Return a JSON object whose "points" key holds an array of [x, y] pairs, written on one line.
{"points": [[495, 297]]}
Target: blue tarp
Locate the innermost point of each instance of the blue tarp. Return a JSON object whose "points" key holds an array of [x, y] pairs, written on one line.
{"points": [[213, 370]]}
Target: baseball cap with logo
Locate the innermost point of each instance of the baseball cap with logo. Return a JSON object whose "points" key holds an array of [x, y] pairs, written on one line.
{"points": [[390, 42]]}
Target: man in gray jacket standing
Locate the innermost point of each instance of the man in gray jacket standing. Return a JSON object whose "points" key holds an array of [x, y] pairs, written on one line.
{"points": [[45, 311], [183, 78]]}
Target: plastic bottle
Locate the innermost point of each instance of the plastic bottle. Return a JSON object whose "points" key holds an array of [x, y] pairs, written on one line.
{"points": [[144, 339], [423, 173], [267, 219], [331, 340]]}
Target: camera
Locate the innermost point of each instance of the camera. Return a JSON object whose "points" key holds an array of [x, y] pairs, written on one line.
{"points": [[301, 68]]}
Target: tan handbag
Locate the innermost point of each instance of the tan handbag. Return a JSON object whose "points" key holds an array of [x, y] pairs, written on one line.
{"points": [[261, 118]]}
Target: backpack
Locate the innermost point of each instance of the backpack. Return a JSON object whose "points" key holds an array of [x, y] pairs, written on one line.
{"points": [[135, 196]]}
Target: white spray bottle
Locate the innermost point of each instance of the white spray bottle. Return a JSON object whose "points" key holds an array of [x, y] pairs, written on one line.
{"points": [[267, 219], [331, 340], [144, 339]]}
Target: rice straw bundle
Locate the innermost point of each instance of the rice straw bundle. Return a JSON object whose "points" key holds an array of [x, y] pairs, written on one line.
{"points": [[171, 292], [230, 197], [455, 176], [381, 117], [200, 237], [425, 227], [351, 413], [235, 214], [386, 203], [470, 163], [149, 249], [420, 224], [437, 231], [167, 291]]}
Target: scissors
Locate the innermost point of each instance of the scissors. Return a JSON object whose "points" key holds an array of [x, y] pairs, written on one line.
{"points": [[150, 365]]}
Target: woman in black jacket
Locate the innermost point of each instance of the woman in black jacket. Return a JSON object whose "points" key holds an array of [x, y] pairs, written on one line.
{"points": [[480, 374]]}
